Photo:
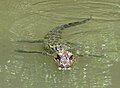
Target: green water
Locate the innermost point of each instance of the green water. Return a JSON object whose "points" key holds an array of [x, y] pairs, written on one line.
{"points": [[32, 19]]}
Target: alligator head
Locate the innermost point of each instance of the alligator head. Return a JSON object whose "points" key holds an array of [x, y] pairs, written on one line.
{"points": [[65, 60]]}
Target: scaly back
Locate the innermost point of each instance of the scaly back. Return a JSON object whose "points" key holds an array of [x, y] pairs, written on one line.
{"points": [[53, 37]]}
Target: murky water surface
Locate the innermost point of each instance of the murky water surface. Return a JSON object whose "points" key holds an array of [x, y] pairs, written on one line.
{"points": [[32, 19]]}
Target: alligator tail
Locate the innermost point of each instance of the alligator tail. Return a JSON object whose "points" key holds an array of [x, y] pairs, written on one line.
{"points": [[64, 26]]}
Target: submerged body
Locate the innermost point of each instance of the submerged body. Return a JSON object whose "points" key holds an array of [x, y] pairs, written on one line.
{"points": [[64, 58], [54, 46]]}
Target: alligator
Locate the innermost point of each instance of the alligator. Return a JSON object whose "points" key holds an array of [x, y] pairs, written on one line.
{"points": [[53, 45]]}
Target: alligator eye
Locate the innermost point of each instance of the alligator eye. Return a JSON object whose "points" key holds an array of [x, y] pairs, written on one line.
{"points": [[58, 57], [71, 57]]}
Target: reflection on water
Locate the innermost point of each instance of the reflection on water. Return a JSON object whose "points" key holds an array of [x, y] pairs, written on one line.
{"points": [[33, 19]]}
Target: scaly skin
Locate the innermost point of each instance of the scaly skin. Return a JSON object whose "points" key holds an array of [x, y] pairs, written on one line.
{"points": [[53, 37]]}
